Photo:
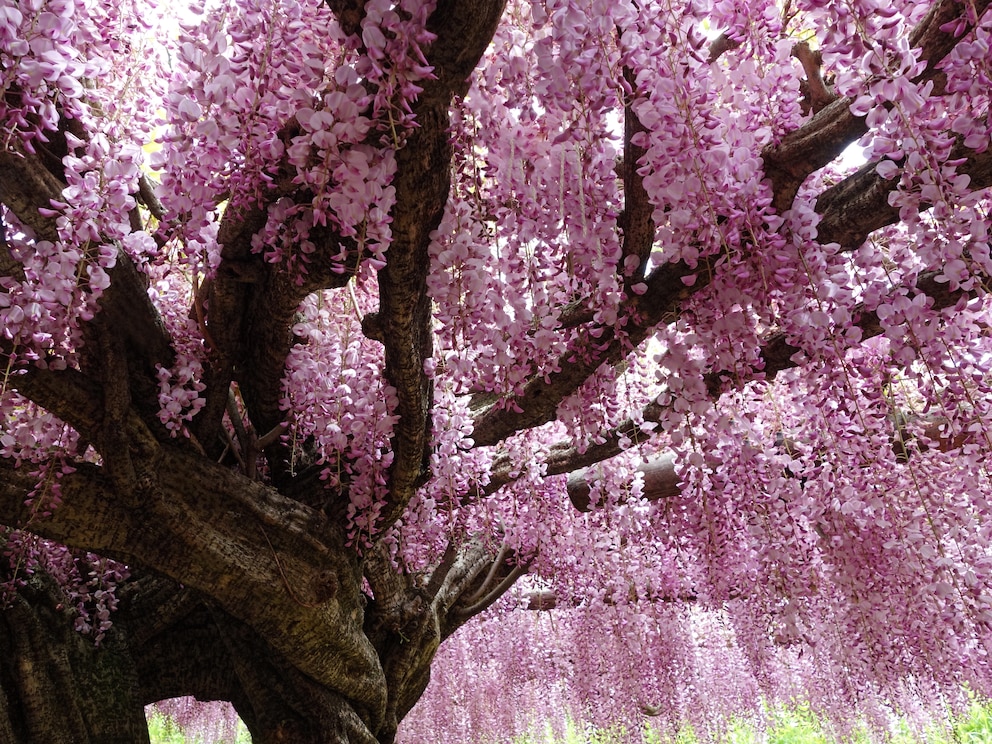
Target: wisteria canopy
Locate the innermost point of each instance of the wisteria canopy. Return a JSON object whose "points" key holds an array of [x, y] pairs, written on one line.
{"points": [[327, 327]]}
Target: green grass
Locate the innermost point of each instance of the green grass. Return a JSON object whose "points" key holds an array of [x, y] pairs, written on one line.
{"points": [[163, 730], [976, 726], [787, 725]]}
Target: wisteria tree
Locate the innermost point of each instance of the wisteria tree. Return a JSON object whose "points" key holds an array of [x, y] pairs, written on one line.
{"points": [[323, 324]]}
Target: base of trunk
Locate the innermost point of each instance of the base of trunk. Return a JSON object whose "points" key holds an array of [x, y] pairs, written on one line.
{"points": [[55, 685]]}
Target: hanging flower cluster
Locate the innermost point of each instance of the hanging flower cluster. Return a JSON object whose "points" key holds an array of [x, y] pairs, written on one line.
{"points": [[349, 417], [87, 580], [40, 66], [810, 512], [393, 40], [822, 528], [233, 97]]}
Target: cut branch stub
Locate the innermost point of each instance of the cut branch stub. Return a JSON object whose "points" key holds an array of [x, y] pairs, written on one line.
{"points": [[661, 481]]}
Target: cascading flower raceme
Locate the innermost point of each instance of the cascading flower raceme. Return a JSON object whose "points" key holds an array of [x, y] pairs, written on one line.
{"points": [[349, 415], [771, 411], [816, 520]]}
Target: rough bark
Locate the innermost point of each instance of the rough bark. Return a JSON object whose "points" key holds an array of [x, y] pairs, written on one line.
{"points": [[413, 614], [264, 559], [55, 685], [463, 30], [167, 641], [247, 592]]}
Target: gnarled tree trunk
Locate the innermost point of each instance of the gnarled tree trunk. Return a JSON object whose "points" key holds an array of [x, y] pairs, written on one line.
{"points": [[55, 685], [171, 641]]}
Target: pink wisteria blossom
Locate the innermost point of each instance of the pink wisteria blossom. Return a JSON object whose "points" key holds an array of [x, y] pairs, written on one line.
{"points": [[630, 358]]}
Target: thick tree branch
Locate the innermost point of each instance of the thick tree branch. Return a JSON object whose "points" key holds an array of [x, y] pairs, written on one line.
{"points": [[116, 406], [777, 355], [349, 13], [196, 527], [816, 143], [544, 600], [809, 148], [817, 93], [787, 165], [662, 481], [636, 221], [26, 187], [409, 616], [463, 30], [859, 204], [720, 46], [55, 685], [69, 394], [251, 307], [541, 396], [422, 183], [126, 339], [148, 197], [488, 599], [850, 211]]}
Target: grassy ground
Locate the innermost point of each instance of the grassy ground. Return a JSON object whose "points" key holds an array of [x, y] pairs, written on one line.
{"points": [[164, 730], [791, 726], [788, 726]]}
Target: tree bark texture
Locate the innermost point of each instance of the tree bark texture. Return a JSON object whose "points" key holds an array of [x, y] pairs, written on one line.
{"points": [[248, 591], [55, 686]]}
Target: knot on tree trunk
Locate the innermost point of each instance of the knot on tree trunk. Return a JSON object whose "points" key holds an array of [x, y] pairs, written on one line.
{"points": [[402, 614]]}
